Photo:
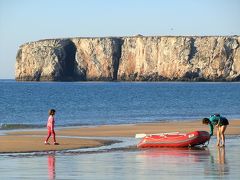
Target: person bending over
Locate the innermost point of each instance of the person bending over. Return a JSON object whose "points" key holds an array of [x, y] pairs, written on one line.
{"points": [[220, 123]]}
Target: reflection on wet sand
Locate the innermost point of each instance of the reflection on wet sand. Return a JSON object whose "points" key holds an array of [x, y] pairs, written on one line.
{"points": [[221, 161], [173, 161], [51, 167], [215, 163], [175, 155], [157, 163], [218, 167], [221, 155], [179, 152]]}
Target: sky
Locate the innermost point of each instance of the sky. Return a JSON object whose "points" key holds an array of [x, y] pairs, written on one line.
{"points": [[22, 21]]}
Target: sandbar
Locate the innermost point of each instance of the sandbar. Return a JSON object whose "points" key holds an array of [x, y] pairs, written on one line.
{"points": [[32, 141]]}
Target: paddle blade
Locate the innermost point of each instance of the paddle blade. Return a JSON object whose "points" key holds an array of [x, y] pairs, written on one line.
{"points": [[140, 135]]}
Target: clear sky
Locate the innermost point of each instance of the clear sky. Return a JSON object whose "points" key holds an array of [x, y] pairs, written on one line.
{"points": [[22, 21]]}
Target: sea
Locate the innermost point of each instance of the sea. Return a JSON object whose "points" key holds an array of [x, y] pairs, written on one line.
{"points": [[26, 104]]}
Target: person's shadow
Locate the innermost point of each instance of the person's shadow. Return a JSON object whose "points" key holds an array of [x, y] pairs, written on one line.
{"points": [[51, 166]]}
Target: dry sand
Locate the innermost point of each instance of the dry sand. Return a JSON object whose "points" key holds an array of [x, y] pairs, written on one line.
{"points": [[15, 143], [24, 141]]}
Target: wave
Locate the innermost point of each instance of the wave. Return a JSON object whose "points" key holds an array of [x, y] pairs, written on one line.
{"points": [[19, 126], [12, 126]]}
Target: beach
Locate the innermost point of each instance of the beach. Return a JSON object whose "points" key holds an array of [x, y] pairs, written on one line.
{"points": [[70, 138]]}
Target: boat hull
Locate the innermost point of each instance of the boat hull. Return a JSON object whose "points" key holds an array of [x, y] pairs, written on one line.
{"points": [[175, 140]]}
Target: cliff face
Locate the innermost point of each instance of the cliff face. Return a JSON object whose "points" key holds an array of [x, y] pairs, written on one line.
{"points": [[97, 58], [180, 58], [136, 58], [46, 60]]}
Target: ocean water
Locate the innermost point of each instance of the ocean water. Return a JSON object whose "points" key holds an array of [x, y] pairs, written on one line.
{"points": [[26, 104], [157, 163]]}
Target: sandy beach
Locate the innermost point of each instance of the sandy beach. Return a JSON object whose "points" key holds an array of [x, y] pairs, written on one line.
{"points": [[32, 141]]}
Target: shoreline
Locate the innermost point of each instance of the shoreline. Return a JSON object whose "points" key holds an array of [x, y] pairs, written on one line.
{"points": [[21, 141]]}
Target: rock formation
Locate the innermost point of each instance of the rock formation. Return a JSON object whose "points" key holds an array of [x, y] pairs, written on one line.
{"points": [[138, 58]]}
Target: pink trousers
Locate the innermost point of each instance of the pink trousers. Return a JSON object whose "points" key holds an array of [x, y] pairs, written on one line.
{"points": [[51, 132]]}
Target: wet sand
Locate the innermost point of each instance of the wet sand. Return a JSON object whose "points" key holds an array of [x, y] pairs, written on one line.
{"points": [[31, 141]]}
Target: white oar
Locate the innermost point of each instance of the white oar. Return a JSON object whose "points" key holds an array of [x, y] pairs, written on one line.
{"points": [[160, 134], [141, 135]]}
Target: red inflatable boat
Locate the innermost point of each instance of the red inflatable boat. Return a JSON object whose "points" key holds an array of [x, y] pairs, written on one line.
{"points": [[174, 139]]}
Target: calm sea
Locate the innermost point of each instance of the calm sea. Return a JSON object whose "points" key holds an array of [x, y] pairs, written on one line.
{"points": [[26, 104]]}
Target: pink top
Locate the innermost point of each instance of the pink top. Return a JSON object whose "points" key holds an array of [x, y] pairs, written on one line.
{"points": [[51, 121]]}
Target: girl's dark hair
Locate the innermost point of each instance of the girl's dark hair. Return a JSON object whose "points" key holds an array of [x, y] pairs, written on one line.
{"points": [[205, 120], [51, 111]]}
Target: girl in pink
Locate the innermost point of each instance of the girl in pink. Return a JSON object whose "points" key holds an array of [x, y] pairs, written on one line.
{"points": [[50, 126]]}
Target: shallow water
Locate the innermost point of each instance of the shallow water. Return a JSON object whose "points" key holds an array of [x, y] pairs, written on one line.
{"points": [[164, 163]]}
